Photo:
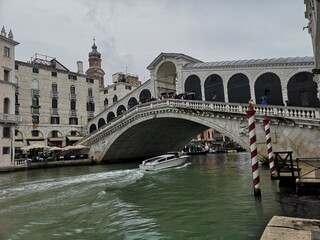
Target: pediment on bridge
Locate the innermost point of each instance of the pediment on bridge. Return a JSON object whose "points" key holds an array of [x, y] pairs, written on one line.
{"points": [[167, 56]]}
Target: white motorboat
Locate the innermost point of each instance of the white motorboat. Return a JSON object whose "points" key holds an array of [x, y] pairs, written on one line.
{"points": [[163, 162]]}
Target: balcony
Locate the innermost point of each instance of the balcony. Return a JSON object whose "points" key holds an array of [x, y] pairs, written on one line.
{"points": [[73, 96], [35, 111], [35, 92], [54, 111], [54, 94], [73, 113], [10, 118], [90, 99], [90, 114]]}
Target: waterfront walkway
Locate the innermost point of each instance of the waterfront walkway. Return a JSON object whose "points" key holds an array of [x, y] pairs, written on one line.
{"points": [[287, 228], [48, 164]]}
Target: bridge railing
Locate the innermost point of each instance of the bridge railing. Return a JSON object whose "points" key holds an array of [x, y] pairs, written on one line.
{"points": [[239, 108]]}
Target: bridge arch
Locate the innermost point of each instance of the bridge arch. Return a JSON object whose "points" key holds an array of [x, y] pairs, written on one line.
{"points": [[121, 109], [110, 116], [193, 84], [213, 88], [92, 128], [167, 123], [145, 96], [101, 122], [166, 77], [239, 88], [268, 84], [132, 102], [302, 90]]}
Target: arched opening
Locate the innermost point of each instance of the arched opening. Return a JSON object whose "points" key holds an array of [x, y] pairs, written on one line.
{"points": [[269, 85], [132, 102], [6, 106], [105, 103], [110, 116], [101, 122], [166, 78], [239, 89], [93, 128], [302, 90], [55, 138], [35, 101], [121, 109], [54, 103], [192, 84], [115, 99], [145, 96], [213, 89]]}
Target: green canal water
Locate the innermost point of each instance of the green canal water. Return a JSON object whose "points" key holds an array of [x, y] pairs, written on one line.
{"points": [[210, 198]]}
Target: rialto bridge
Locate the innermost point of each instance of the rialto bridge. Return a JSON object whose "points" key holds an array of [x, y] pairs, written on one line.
{"points": [[287, 83], [164, 125]]}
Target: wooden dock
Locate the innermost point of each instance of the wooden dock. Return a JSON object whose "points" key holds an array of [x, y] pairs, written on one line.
{"points": [[287, 228]]}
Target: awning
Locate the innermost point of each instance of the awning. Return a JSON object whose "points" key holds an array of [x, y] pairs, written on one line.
{"points": [[18, 144], [37, 142], [74, 138], [57, 139]]}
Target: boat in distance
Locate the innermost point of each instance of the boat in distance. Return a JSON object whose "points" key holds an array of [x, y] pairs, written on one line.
{"points": [[163, 161]]}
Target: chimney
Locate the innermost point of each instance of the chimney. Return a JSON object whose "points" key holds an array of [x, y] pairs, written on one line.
{"points": [[80, 67]]}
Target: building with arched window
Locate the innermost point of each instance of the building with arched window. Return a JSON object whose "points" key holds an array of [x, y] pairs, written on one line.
{"points": [[55, 102], [8, 96]]}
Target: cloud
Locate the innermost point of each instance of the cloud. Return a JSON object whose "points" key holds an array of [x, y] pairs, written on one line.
{"points": [[130, 34]]}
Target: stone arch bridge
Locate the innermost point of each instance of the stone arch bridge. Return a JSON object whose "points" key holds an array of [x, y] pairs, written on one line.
{"points": [[165, 125]]}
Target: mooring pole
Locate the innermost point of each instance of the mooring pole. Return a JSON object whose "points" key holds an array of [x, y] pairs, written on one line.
{"points": [[253, 150], [272, 167]]}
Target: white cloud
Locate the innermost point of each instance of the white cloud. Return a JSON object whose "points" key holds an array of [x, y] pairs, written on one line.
{"points": [[130, 34]]}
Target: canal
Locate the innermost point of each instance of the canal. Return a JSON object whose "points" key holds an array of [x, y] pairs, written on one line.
{"points": [[210, 198]]}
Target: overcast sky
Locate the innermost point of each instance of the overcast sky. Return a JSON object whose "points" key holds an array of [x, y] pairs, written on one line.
{"points": [[131, 33]]}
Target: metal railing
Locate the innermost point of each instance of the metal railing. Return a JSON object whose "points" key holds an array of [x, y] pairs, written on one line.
{"points": [[54, 111], [73, 113], [73, 96], [310, 169], [35, 92], [10, 118], [54, 94]]}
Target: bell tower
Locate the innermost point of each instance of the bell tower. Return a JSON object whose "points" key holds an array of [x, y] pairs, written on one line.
{"points": [[95, 65]]}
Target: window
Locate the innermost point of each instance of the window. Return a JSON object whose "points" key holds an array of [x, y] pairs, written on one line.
{"points": [[115, 99], [90, 106], [6, 75], [5, 150], [54, 74], [106, 102], [35, 70], [105, 91], [128, 87], [6, 106], [73, 105], [54, 134], [90, 80], [72, 89], [55, 120], [16, 67], [54, 103], [90, 92], [115, 88], [73, 77], [6, 51], [35, 101], [35, 133], [35, 118], [6, 132], [54, 87], [35, 84], [73, 121]]}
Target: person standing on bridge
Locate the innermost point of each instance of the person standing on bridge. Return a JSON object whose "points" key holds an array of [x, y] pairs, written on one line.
{"points": [[264, 100]]}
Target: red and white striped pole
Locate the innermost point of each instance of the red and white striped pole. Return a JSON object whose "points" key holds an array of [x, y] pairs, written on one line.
{"points": [[272, 167], [253, 150]]}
